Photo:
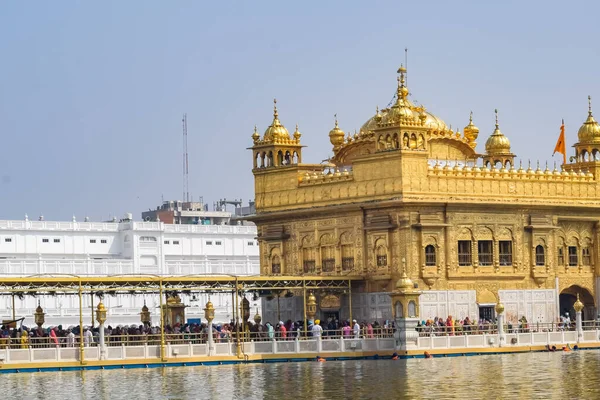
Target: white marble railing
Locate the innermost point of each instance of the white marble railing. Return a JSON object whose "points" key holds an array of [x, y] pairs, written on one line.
{"points": [[512, 339], [213, 229], [190, 350], [73, 267], [59, 226]]}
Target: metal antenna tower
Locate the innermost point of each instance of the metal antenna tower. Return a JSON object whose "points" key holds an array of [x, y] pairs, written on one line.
{"points": [[186, 174]]}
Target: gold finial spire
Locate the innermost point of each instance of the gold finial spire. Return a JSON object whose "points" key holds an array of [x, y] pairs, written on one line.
{"points": [[336, 121], [496, 112], [275, 113], [471, 117], [590, 105], [402, 90]]}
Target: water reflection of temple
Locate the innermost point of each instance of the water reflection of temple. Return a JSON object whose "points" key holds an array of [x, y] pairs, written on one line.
{"points": [[470, 226]]}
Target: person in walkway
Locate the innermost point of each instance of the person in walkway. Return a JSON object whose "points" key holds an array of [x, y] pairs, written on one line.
{"points": [[270, 331], [24, 339], [356, 329], [316, 329], [70, 338], [53, 337], [88, 337], [346, 330]]}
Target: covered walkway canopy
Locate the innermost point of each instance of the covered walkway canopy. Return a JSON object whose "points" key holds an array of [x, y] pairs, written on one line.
{"points": [[131, 284]]}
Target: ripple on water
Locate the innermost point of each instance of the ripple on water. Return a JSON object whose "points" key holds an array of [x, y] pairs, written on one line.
{"points": [[529, 375]]}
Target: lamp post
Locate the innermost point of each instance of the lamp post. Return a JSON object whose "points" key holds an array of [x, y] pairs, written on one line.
{"points": [[245, 315], [39, 316], [500, 321], [311, 307], [209, 314], [101, 318], [145, 315], [578, 306]]}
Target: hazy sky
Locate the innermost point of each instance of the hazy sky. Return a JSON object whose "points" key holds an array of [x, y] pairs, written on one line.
{"points": [[92, 93]]}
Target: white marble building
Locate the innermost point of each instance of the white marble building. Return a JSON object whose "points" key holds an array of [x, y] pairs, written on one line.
{"points": [[107, 248]]}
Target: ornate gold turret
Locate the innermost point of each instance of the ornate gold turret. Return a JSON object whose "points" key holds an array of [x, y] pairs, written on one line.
{"points": [[471, 132], [336, 136], [588, 147], [276, 148], [497, 148]]}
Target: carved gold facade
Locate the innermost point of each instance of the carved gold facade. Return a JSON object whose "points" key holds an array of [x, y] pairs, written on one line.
{"points": [[409, 193]]}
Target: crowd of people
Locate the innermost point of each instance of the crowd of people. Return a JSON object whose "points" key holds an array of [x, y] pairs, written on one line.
{"points": [[450, 326], [23, 337]]}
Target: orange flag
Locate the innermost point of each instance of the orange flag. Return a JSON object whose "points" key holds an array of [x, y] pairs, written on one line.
{"points": [[560, 144]]}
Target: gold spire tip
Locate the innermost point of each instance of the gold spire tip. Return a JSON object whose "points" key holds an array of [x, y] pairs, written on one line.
{"points": [[496, 112], [590, 104], [471, 116], [275, 113]]}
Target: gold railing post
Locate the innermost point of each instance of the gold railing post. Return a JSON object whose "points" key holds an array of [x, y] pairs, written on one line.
{"points": [[350, 300], [238, 350], [304, 298], [92, 308], [81, 349], [162, 323]]}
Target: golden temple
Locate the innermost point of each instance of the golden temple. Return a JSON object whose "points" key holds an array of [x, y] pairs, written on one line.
{"points": [[407, 193]]}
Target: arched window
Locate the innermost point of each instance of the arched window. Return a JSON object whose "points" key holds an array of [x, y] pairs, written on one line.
{"points": [[399, 310], [308, 260], [412, 309], [275, 265], [430, 260], [586, 257], [381, 254], [540, 257], [328, 258]]}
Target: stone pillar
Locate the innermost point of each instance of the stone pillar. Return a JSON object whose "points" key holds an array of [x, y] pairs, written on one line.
{"points": [[405, 309], [500, 322], [578, 306]]}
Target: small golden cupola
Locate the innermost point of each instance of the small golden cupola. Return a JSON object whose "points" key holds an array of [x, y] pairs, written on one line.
{"points": [[590, 130], [276, 148], [497, 148], [336, 136], [276, 132], [255, 135], [471, 132]]}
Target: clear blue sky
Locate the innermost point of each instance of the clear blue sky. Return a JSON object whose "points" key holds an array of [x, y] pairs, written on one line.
{"points": [[92, 93]]}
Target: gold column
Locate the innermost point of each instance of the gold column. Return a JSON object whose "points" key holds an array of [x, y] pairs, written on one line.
{"points": [[162, 323], [92, 308], [238, 350], [350, 300], [304, 298], [81, 350], [14, 313]]}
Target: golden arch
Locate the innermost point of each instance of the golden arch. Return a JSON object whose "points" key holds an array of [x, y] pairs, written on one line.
{"points": [[484, 296]]}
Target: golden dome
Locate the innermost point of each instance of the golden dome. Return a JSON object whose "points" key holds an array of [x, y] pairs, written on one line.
{"points": [[336, 135], [404, 282], [403, 111], [590, 130], [497, 143], [297, 133], [499, 308], [276, 131], [471, 131], [578, 306]]}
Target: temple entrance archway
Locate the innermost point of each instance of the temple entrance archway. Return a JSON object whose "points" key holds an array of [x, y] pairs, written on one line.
{"points": [[568, 297]]}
